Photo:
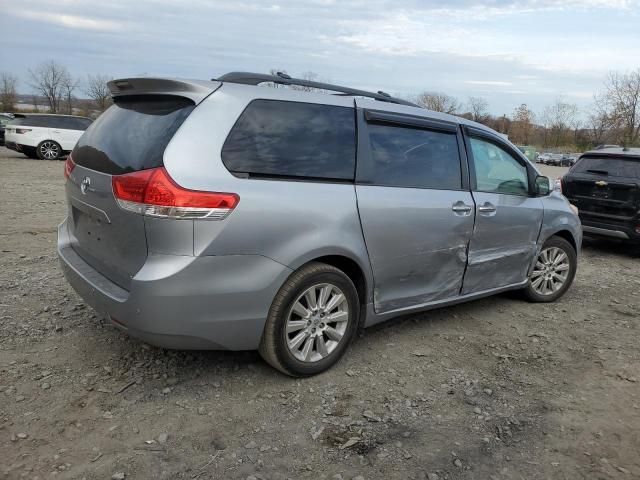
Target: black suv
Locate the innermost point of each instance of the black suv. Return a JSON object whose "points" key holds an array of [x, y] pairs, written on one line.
{"points": [[605, 186]]}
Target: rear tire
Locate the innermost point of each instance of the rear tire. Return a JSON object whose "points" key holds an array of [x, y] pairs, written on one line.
{"points": [[49, 150], [553, 273], [311, 322]]}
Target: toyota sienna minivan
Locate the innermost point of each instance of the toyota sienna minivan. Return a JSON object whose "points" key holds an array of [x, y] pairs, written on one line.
{"points": [[225, 214]]}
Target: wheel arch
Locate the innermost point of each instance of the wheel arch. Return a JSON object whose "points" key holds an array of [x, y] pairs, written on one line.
{"points": [[360, 276]]}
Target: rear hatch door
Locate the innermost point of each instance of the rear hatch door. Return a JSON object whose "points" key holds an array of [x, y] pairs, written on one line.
{"points": [[130, 136]]}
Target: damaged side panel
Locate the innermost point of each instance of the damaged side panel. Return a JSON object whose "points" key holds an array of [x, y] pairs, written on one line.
{"points": [[504, 241], [417, 244]]}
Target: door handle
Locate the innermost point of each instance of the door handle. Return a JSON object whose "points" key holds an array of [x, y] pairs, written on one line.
{"points": [[461, 207], [487, 208]]}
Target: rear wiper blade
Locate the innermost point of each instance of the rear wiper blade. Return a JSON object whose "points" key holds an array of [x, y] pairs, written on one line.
{"points": [[601, 172]]}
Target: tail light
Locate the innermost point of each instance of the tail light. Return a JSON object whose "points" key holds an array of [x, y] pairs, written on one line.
{"points": [[69, 165], [154, 193], [23, 130], [558, 184]]}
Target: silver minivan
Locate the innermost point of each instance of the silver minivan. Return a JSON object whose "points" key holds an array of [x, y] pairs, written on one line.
{"points": [[225, 214]]}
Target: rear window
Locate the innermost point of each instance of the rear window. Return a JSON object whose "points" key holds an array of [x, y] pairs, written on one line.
{"points": [[292, 139], [615, 167], [132, 134]]}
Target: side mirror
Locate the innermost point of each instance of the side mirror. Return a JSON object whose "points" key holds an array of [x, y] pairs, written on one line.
{"points": [[543, 186]]}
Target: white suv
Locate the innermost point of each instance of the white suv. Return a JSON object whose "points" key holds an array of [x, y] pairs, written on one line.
{"points": [[47, 137]]}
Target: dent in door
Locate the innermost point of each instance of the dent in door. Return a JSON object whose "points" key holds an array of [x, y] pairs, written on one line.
{"points": [[503, 244], [417, 244]]}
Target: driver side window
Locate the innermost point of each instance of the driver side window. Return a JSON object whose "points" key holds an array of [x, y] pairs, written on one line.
{"points": [[496, 170]]}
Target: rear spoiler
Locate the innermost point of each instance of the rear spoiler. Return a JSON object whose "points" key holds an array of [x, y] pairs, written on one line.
{"points": [[195, 90]]}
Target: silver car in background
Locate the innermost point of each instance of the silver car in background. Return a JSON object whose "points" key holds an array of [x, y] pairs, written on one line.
{"points": [[226, 215]]}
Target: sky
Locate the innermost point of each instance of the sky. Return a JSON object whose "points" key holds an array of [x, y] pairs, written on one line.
{"points": [[506, 51]]}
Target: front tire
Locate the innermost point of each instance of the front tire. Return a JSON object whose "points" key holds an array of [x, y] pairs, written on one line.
{"points": [[49, 150], [553, 272], [311, 322]]}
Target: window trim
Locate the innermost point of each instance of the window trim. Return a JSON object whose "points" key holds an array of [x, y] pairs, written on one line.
{"points": [[408, 121], [472, 132], [285, 177], [399, 120]]}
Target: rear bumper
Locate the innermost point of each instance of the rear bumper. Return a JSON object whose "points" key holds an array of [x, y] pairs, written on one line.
{"points": [[603, 229], [183, 302]]}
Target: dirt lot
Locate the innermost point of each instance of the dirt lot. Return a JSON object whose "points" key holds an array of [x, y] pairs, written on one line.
{"points": [[494, 389]]}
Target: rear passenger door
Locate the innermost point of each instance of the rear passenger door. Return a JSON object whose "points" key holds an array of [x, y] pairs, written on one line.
{"points": [[415, 207], [508, 216]]}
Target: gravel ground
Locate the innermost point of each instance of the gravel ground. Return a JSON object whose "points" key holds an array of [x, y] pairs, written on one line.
{"points": [[493, 389]]}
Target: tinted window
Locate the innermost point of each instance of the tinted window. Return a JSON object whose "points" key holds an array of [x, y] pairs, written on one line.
{"points": [[615, 167], [293, 139], [31, 121], [411, 157], [496, 170], [70, 123], [132, 134]]}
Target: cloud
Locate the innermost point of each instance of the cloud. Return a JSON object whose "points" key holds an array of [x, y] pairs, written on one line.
{"points": [[489, 83], [509, 51], [70, 21]]}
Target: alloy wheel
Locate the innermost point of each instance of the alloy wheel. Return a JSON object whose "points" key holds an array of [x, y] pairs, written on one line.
{"points": [[317, 322], [50, 150], [550, 272]]}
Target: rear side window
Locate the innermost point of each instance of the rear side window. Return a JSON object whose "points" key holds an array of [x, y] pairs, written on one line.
{"points": [[412, 157], [292, 139], [70, 123], [132, 134], [615, 167], [31, 121]]}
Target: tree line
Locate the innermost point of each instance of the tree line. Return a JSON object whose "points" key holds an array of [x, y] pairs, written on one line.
{"points": [[54, 83], [614, 116]]}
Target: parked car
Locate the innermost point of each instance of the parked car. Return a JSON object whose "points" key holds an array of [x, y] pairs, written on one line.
{"points": [[4, 119], [228, 215], [605, 186], [543, 158], [45, 136]]}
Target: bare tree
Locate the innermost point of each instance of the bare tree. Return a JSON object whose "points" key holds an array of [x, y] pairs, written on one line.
{"points": [[478, 108], [599, 124], [8, 92], [52, 81], [98, 91], [522, 126], [438, 102], [623, 101], [69, 85], [558, 119]]}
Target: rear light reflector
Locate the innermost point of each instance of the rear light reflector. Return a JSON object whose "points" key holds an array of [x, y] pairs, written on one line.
{"points": [[154, 193], [69, 165], [23, 130]]}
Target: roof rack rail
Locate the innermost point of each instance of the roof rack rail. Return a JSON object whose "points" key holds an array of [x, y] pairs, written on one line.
{"points": [[248, 78]]}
